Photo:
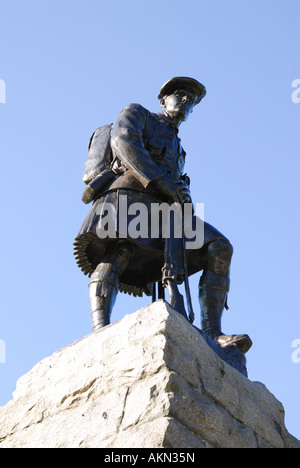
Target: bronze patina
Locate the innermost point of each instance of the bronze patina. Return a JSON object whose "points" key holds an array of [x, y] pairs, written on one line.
{"points": [[142, 161]]}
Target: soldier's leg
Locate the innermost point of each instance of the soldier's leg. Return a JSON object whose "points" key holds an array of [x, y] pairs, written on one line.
{"points": [[213, 290], [104, 284]]}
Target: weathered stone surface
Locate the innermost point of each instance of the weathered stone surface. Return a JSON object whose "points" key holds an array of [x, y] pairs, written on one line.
{"points": [[149, 380]]}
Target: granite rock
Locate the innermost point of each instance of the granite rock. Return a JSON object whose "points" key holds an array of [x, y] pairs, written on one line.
{"points": [[150, 380]]}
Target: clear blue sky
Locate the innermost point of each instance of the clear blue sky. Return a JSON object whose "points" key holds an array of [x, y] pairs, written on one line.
{"points": [[69, 67]]}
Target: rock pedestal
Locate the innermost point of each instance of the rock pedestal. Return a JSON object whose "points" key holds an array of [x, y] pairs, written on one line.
{"points": [[150, 380]]}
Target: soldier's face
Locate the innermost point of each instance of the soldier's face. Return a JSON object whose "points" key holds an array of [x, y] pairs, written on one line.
{"points": [[179, 104]]}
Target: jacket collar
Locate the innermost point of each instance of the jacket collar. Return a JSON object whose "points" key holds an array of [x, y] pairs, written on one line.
{"points": [[167, 120]]}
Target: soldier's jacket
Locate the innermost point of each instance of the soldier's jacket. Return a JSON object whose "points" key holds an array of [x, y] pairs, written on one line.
{"points": [[145, 147]]}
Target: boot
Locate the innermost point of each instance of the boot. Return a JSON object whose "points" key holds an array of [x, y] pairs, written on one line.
{"points": [[103, 289], [213, 289], [104, 284]]}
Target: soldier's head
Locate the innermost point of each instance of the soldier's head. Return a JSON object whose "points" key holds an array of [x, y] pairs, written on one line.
{"points": [[178, 97]]}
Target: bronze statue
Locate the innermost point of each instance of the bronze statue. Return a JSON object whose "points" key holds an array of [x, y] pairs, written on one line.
{"points": [[142, 161]]}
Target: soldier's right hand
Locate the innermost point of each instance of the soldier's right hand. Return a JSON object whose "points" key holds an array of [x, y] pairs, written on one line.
{"points": [[169, 189]]}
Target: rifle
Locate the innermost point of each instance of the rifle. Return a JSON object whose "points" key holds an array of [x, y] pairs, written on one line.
{"points": [[172, 274], [186, 279]]}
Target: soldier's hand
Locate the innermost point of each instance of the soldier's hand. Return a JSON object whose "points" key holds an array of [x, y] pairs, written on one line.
{"points": [[169, 188], [184, 194]]}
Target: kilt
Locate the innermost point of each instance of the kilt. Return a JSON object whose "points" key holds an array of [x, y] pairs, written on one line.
{"points": [[144, 269]]}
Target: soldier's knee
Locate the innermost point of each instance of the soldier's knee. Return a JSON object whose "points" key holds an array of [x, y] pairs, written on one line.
{"points": [[219, 256], [114, 263], [220, 248], [124, 252]]}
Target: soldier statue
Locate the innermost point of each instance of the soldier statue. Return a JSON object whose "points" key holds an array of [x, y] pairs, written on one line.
{"points": [[142, 158]]}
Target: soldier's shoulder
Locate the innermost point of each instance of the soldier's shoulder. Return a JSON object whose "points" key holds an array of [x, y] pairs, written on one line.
{"points": [[134, 107], [137, 111]]}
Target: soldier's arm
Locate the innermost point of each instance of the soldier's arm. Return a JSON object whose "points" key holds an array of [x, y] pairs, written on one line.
{"points": [[127, 144]]}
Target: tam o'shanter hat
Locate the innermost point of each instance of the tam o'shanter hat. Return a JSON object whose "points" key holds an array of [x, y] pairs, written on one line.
{"points": [[183, 82]]}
